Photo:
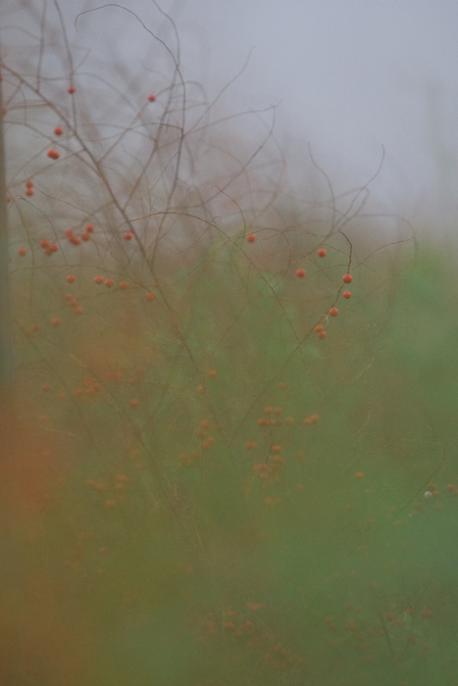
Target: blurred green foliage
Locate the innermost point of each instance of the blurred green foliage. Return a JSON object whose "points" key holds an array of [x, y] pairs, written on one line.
{"points": [[173, 520]]}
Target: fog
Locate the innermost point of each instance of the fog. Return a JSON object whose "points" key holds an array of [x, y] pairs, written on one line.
{"points": [[349, 78]]}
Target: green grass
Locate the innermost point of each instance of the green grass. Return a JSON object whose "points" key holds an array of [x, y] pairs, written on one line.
{"points": [[143, 553]]}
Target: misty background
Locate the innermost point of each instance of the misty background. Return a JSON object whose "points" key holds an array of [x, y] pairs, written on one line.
{"points": [[346, 77], [349, 78]]}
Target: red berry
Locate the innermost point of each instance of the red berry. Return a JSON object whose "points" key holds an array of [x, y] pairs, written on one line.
{"points": [[151, 97], [108, 283], [128, 236], [347, 295], [333, 311], [99, 279], [89, 228], [71, 278], [29, 183], [29, 192], [71, 90], [58, 131], [300, 273], [22, 251], [85, 237], [251, 237], [321, 252], [53, 154], [347, 278], [150, 296]]}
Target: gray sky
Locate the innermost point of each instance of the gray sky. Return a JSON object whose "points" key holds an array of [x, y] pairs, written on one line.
{"points": [[347, 76]]}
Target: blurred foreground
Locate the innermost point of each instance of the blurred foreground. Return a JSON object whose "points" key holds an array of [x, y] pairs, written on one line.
{"points": [[201, 489]]}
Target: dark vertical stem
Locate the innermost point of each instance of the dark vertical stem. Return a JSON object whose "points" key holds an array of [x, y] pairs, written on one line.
{"points": [[6, 351]]}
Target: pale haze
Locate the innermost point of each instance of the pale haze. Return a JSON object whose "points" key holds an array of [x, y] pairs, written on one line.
{"points": [[348, 77]]}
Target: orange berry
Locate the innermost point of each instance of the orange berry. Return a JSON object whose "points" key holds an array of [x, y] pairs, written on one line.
{"points": [[70, 278], [208, 442], [251, 237], [347, 295], [321, 252], [22, 251], [150, 296], [53, 154], [322, 334], [359, 475], [123, 285], [29, 192], [319, 327], [333, 311], [108, 283], [58, 131], [134, 402], [347, 278], [55, 321], [300, 273], [254, 606], [74, 240], [99, 279]]}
